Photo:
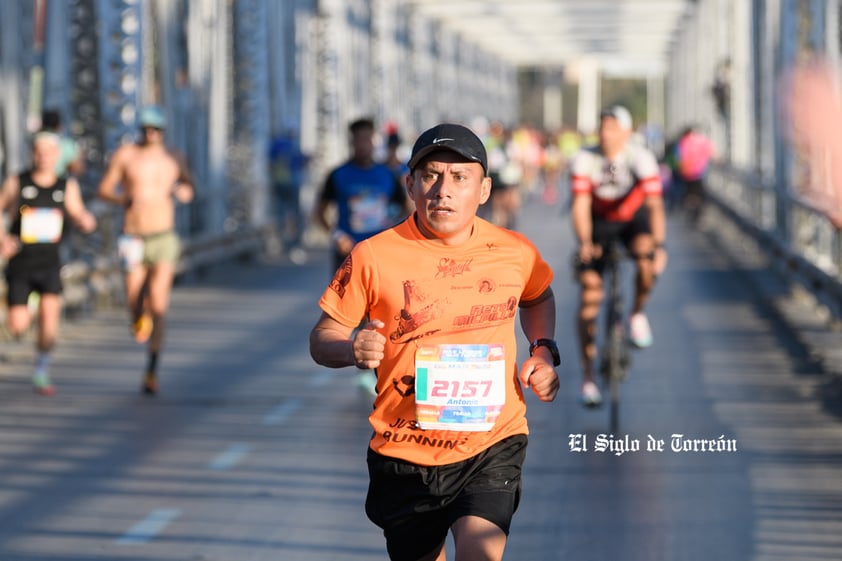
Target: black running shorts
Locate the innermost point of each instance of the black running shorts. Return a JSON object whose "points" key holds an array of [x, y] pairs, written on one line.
{"points": [[22, 282], [604, 232], [416, 505]]}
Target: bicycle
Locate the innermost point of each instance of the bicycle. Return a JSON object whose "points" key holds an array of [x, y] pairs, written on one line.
{"points": [[615, 356]]}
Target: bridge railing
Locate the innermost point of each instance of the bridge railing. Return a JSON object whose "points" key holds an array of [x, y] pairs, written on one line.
{"points": [[93, 278], [802, 244], [98, 281]]}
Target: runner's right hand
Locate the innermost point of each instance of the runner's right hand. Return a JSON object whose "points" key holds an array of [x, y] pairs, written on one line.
{"points": [[368, 345], [9, 246]]}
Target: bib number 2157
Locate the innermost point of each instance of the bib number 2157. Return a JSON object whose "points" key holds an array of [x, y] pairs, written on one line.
{"points": [[459, 387]]}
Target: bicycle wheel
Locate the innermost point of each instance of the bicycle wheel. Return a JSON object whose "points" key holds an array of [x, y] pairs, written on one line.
{"points": [[615, 355], [615, 370]]}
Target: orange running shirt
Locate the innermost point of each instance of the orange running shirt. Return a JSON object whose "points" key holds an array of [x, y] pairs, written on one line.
{"points": [[430, 294]]}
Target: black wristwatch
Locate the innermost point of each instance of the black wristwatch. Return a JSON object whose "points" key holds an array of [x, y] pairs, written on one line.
{"points": [[550, 344]]}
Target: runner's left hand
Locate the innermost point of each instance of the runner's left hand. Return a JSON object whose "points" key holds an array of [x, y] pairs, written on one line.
{"points": [[541, 376]]}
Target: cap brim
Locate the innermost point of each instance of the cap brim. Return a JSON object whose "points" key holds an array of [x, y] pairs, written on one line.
{"points": [[623, 118], [427, 150]]}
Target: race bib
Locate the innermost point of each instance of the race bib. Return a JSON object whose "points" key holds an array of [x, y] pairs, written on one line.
{"points": [[41, 225], [459, 387], [130, 251], [368, 213]]}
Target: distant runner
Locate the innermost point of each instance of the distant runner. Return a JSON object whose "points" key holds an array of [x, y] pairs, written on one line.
{"points": [[38, 202], [153, 179]]}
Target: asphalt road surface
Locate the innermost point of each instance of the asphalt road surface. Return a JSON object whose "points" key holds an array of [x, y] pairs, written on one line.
{"points": [[252, 452]]}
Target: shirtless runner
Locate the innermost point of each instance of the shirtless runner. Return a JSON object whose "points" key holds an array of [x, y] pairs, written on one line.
{"points": [[153, 178]]}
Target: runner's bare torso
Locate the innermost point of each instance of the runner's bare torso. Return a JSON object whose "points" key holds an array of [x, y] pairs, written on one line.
{"points": [[152, 178]]}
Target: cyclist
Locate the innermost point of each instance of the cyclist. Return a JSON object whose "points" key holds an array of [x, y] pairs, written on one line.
{"points": [[616, 189]]}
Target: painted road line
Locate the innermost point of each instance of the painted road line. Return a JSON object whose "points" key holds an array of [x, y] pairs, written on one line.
{"points": [[282, 412], [231, 457], [149, 527]]}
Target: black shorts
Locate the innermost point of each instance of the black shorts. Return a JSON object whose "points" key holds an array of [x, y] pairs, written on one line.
{"points": [[604, 233], [22, 282], [416, 505]]}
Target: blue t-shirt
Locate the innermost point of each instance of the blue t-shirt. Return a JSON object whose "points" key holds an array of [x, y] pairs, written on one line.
{"points": [[368, 200]]}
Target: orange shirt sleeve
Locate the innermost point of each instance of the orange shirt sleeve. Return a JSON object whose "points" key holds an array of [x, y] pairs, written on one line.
{"points": [[348, 296], [541, 273]]}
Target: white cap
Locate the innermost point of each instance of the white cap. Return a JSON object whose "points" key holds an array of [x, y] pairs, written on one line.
{"points": [[620, 114]]}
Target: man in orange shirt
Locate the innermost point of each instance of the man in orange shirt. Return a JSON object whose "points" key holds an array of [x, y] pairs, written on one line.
{"points": [[439, 294]]}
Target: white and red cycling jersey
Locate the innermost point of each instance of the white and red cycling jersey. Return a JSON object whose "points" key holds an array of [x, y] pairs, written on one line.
{"points": [[618, 187]]}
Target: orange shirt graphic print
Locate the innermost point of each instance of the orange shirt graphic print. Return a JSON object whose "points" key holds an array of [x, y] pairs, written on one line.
{"points": [[418, 309], [342, 277]]}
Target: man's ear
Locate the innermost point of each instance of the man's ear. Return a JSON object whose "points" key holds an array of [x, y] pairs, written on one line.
{"points": [[485, 189], [409, 181]]}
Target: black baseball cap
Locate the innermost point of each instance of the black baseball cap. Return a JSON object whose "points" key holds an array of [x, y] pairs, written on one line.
{"points": [[449, 136]]}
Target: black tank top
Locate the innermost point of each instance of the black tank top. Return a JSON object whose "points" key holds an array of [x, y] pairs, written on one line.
{"points": [[39, 221]]}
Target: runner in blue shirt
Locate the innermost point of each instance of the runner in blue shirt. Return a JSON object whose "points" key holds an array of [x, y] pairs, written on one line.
{"points": [[367, 196]]}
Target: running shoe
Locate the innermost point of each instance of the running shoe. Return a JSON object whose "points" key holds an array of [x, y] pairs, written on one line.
{"points": [[639, 331], [41, 383], [591, 396], [150, 384], [142, 328]]}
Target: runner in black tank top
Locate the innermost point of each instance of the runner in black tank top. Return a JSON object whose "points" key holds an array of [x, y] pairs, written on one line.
{"points": [[39, 204]]}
